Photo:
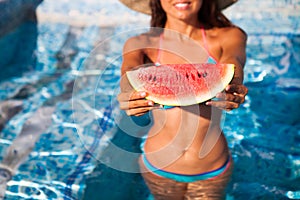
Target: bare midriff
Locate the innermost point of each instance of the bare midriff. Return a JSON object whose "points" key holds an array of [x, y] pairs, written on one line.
{"points": [[184, 140]]}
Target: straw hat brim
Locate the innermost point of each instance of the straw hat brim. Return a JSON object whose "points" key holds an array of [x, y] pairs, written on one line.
{"points": [[143, 5]]}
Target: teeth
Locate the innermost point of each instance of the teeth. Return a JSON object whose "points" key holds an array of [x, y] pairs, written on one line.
{"points": [[181, 5]]}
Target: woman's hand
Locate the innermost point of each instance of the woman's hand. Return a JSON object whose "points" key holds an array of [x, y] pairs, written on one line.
{"points": [[233, 96], [134, 103]]}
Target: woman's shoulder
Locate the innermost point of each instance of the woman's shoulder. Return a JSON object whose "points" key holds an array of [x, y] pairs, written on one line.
{"points": [[140, 42], [223, 35], [231, 31]]}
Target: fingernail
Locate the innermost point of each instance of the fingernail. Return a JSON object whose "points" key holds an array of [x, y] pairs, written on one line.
{"points": [[218, 95], [227, 88], [150, 103], [208, 103], [143, 94]]}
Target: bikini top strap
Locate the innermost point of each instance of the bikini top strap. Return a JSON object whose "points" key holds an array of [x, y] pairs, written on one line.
{"points": [[211, 58]]}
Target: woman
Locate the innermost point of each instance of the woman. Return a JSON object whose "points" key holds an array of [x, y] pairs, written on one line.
{"points": [[185, 154]]}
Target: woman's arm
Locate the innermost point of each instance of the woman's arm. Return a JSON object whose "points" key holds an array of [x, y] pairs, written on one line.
{"points": [[134, 103], [233, 44]]}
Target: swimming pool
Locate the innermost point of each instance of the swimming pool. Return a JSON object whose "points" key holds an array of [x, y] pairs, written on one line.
{"points": [[76, 153]]}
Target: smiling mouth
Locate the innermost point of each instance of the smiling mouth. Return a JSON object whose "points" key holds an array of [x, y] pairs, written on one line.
{"points": [[182, 5]]}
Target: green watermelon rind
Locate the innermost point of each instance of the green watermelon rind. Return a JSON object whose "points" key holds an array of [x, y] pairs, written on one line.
{"points": [[184, 101]]}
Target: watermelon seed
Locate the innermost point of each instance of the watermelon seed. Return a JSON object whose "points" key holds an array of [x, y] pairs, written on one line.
{"points": [[187, 75], [204, 74], [154, 78], [150, 77], [199, 75]]}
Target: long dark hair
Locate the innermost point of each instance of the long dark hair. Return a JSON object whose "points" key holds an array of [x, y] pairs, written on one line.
{"points": [[209, 14]]}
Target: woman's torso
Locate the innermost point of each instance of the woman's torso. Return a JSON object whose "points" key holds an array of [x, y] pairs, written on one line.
{"points": [[186, 140]]}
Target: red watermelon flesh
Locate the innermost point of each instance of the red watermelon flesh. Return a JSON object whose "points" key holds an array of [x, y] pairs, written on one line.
{"points": [[181, 84]]}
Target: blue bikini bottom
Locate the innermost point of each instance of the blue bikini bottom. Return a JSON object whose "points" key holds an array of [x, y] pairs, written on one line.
{"points": [[186, 178], [165, 107]]}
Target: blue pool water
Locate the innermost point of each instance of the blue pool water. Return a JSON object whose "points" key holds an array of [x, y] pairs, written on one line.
{"points": [[65, 138]]}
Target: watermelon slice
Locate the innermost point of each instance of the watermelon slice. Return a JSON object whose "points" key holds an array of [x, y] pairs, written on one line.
{"points": [[181, 84]]}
